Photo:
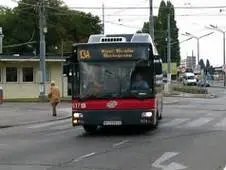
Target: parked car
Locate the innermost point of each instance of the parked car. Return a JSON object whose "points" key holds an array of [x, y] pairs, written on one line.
{"points": [[189, 79]]}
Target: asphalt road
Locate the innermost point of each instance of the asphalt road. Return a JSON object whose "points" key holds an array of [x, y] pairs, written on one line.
{"points": [[219, 91], [192, 136]]}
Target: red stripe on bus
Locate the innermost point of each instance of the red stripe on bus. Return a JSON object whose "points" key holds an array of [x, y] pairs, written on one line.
{"points": [[119, 104]]}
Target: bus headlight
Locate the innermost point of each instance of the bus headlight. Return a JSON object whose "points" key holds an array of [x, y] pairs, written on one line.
{"points": [[146, 114], [77, 115]]}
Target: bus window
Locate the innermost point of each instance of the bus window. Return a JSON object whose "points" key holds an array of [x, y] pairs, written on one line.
{"points": [[141, 79]]}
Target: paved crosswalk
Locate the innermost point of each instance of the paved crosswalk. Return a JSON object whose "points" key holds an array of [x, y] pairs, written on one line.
{"points": [[210, 123], [55, 125], [205, 122]]}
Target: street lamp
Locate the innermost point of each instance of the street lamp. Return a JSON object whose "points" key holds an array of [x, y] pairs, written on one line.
{"points": [[197, 38], [223, 32]]}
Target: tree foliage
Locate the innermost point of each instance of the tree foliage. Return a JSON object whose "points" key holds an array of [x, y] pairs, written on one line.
{"points": [[207, 64], [65, 26], [208, 68], [202, 64], [160, 32]]}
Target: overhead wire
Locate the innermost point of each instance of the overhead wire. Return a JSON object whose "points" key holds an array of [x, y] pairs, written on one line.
{"points": [[126, 8], [20, 44], [135, 7], [62, 12]]}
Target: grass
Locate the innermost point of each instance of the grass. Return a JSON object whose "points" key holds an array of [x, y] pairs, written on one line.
{"points": [[190, 89]]}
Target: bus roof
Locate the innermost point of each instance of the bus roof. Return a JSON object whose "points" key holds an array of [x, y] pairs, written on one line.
{"points": [[122, 38]]}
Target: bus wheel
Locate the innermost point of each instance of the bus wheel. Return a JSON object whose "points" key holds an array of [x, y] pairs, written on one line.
{"points": [[90, 128]]}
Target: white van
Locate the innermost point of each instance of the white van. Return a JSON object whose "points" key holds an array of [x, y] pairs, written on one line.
{"points": [[189, 79]]}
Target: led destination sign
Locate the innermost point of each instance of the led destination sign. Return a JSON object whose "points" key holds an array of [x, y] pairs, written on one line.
{"points": [[118, 53], [111, 53]]}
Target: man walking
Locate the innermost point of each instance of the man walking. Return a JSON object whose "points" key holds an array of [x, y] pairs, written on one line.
{"points": [[54, 97]]}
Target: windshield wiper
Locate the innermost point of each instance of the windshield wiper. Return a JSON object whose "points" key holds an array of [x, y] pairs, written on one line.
{"points": [[102, 96], [109, 95], [136, 94], [88, 97]]}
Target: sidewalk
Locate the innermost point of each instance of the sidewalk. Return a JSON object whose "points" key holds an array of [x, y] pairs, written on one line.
{"points": [[15, 114]]}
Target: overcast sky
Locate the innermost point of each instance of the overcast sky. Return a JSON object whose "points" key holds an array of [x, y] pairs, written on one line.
{"points": [[188, 20]]}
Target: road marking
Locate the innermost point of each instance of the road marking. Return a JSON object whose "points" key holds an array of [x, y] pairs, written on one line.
{"points": [[225, 168], [174, 122], [198, 122], [67, 126], [84, 156], [172, 166], [58, 132], [221, 124], [61, 127], [209, 114], [120, 143], [24, 167], [49, 123], [69, 110], [3, 145]]}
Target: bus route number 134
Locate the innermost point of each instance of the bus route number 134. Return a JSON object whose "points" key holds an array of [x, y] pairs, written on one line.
{"points": [[84, 54]]}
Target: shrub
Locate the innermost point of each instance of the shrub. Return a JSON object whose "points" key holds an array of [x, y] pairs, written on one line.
{"points": [[190, 89]]}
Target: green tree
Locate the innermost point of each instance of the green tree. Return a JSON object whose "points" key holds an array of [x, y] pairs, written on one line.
{"points": [[65, 26], [207, 64], [202, 64], [175, 48], [145, 28], [161, 33], [161, 27], [211, 70]]}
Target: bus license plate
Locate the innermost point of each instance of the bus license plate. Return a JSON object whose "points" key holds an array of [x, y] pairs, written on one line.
{"points": [[112, 123]]}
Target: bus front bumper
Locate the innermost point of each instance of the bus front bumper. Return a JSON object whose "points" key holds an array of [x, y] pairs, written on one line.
{"points": [[114, 117]]}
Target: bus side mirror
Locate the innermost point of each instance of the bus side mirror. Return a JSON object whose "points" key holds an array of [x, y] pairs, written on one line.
{"points": [[158, 65], [158, 68]]}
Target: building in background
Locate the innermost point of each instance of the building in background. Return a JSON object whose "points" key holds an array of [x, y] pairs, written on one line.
{"points": [[183, 63], [20, 75], [191, 62]]}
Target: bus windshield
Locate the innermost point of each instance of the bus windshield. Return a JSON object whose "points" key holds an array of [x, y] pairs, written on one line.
{"points": [[109, 79]]}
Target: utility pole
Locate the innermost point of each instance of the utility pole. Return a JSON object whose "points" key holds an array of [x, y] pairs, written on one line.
{"points": [[103, 26], [169, 50], [151, 21], [42, 31], [1, 40], [167, 85], [198, 42], [223, 32], [224, 58]]}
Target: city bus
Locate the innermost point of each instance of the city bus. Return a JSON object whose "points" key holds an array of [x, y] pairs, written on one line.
{"points": [[117, 81]]}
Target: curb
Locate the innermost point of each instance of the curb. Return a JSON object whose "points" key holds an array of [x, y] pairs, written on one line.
{"points": [[188, 95], [33, 122], [200, 97], [218, 87]]}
